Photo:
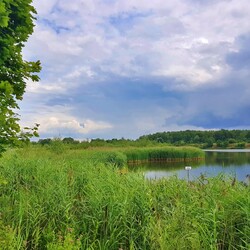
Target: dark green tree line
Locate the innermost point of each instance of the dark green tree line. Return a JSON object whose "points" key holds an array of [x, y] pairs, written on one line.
{"points": [[221, 137]]}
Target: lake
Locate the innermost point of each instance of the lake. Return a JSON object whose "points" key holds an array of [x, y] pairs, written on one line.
{"points": [[234, 162]]}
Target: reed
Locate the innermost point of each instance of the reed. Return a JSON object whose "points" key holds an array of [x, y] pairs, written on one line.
{"points": [[72, 200], [168, 154]]}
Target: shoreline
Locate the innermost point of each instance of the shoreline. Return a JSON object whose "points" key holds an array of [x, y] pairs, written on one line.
{"points": [[165, 160]]}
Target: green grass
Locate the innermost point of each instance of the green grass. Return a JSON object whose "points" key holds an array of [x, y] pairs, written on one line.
{"points": [[79, 199], [121, 156], [166, 153]]}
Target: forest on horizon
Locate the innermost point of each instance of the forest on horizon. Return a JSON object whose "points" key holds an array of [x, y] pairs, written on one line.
{"points": [[206, 139]]}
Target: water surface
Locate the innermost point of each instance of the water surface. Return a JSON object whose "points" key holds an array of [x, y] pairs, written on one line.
{"points": [[234, 163]]}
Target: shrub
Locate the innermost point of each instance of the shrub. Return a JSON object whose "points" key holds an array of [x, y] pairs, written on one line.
{"points": [[115, 158], [241, 145]]}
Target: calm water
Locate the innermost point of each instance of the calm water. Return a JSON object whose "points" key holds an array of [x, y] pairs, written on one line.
{"points": [[235, 163]]}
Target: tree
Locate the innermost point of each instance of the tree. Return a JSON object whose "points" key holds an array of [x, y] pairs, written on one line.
{"points": [[197, 139], [209, 142], [68, 140], [247, 137], [16, 25], [46, 141]]}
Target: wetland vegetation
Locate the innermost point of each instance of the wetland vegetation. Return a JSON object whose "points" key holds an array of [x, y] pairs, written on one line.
{"points": [[69, 195], [60, 197]]}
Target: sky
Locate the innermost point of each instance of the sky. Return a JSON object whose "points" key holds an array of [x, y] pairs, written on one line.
{"points": [[123, 68]]}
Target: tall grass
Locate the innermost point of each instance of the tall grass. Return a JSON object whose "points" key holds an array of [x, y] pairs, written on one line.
{"points": [[171, 154], [121, 156], [71, 200]]}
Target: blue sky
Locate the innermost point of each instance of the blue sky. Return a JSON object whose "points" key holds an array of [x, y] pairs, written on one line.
{"points": [[119, 68]]}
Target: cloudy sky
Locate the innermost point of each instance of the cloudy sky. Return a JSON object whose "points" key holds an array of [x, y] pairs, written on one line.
{"points": [[123, 68]]}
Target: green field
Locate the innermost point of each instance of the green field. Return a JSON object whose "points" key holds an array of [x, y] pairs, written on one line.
{"points": [[60, 198]]}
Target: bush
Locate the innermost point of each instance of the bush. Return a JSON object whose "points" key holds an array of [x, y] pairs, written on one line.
{"points": [[117, 159], [7, 236], [222, 144], [241, 145], [57, 146]]}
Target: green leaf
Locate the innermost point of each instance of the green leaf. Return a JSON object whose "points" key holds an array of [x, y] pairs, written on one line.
{"points": [[16, 25]]}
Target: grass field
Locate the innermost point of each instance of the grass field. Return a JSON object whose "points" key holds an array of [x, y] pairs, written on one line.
{"points": [[57, 198]]}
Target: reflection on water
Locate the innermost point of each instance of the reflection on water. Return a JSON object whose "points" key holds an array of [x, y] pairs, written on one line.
{"points": [[235, 163], [227, 158]]}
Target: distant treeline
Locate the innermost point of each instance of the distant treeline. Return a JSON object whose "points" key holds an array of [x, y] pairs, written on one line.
{"points": [[218, 138], [206, 139], [97, 142]]}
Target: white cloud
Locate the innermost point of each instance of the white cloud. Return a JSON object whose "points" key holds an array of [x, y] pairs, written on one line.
{"points": [[81, 72], [46, 88], [176, 36], [84, 42], [63, 124], [192, 75], [44, 7], [70, 124]]}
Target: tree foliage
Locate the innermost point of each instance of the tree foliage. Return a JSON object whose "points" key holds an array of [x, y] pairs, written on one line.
{"points": [[222, 138], [16, 25]]}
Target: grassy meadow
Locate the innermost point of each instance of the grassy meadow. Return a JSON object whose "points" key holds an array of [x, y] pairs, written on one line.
{"points": [[59, 198]]}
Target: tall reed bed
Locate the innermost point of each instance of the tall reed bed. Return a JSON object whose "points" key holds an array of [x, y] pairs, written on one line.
{"points": [[74, 201], [122, 156], [170, 154], [207, 214]]}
